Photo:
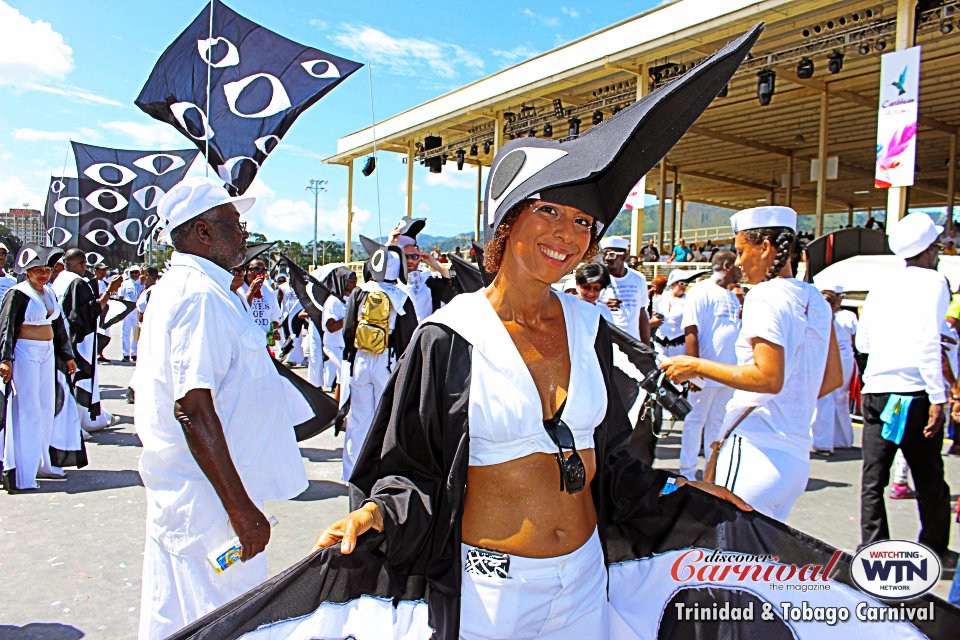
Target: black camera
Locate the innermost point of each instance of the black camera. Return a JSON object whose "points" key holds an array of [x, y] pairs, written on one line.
{"points": [[666, 393]]}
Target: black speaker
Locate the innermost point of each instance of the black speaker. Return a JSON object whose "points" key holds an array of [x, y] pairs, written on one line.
{"points": [[369, 166], [435, 163]]}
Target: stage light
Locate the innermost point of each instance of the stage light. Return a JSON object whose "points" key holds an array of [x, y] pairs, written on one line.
{"points": [[548, 130], [486, 146], [864, 48], [558, 108], [461, 154], [946, 27], [369, 166], [766, 85], [473, 149], [805, 68], [616, 110], [509, 115], [597, 116], [805, 33], [574, 129], [881, 45], [443, 159], [835, 62], [532, 133]]}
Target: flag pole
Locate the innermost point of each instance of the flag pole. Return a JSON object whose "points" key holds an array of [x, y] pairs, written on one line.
{"points": [[373, 130], [206, 128]]}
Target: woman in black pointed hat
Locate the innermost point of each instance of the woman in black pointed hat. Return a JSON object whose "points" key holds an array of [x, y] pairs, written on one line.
{"points": [[32, 337], [496, 466]]}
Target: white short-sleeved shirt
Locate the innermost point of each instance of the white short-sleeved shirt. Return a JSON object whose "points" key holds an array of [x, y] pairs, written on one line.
{"points": [[715, 312], [143, 300], [793, 315], [631, 290], [199, 335], [130, 290], [416, 287], [6, 283], [845, 325], [264, 309], [333, 309]]}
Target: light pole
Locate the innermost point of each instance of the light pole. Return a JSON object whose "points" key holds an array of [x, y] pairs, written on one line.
{"points": [[316, 186]]}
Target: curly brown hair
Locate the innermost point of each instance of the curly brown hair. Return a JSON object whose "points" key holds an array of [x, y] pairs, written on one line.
{"points": [[493, 250]]}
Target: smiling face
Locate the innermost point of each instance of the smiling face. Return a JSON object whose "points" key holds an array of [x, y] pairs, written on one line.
{"points": [[548, 240], [589, 292], [39, 276]]}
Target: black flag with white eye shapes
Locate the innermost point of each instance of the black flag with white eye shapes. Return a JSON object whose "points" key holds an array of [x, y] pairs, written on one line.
{"points": [[61, 214], [260, 82], [118, 191]]}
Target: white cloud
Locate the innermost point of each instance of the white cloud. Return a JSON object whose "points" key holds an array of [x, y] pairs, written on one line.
{"points": [[32, 51], [15, 193], [467, 179], [407, 56], [539, 18], [77, 94], [570, 12], [289, 219], [40, 135], [403, 187], [152, 135], [519, 52]]}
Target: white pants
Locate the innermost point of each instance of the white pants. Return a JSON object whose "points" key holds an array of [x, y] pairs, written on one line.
{"points": [[769, 480], [831, 421], [370, 374], [180, 589], [296, 355], [704, 421], [30, 410], [331, 368], [127, 329], [546, 598]]}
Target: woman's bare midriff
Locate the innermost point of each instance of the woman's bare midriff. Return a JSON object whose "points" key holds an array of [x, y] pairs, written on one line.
{"points": [[517, 507], [35, 332]]}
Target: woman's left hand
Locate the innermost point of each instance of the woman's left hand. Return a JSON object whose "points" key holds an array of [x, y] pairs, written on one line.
{"points": [[71, 367], [681, 368], [716, 490]]}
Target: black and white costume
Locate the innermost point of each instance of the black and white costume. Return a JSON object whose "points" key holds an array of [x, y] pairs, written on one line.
{"points": [[34, 440], [428, 290]]}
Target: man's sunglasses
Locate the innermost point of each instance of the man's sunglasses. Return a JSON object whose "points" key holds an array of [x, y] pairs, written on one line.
{"points": [[573, 474]]}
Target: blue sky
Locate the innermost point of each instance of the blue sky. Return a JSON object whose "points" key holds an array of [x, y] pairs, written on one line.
{"points": [[70, 70]]}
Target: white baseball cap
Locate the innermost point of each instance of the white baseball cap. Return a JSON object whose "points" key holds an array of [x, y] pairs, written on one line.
{"points": [[760, 217], [913, 234], [193, 196]]}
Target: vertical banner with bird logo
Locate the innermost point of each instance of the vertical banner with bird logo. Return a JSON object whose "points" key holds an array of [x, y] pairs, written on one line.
{"points": [[897, 118]]}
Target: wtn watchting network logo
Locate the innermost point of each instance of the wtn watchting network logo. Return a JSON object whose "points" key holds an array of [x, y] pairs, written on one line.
{"points": [[895, 569]]}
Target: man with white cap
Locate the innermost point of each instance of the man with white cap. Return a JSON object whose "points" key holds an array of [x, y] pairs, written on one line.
{"points": [[130, 290], [6, 280], [711, 324], [428, 289], [787, 358], [213, 451], [627, 295], [904, 391]]}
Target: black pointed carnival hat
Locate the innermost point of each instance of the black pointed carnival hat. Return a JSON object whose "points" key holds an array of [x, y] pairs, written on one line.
{"points": [[378, 261], [410, 227], [32, 255], [596, 171]]}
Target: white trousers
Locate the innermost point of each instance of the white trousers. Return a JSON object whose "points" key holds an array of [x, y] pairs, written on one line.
{"points": [[30, 409], [331, 368], [370, 374], [769, 480], [180, 589], [546, 598], [296, 355], [703, 422], [831, 425], [127, 328]]}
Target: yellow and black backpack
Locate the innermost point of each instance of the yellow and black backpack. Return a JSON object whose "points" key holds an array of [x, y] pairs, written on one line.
{"points": [[373, 326]]}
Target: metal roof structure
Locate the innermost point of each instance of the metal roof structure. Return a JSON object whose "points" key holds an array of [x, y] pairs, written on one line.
{"points": [[739, 153]]}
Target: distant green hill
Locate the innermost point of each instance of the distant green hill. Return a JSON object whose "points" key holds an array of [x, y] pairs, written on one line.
{"points": [[697, 216]]}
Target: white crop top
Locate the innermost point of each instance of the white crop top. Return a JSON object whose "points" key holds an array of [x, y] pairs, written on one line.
{"points": [[505, 415], [42, 309]]}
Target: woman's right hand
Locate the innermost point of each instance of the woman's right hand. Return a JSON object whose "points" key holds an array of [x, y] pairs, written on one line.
{"points": [[6, 370], [348, 529]]}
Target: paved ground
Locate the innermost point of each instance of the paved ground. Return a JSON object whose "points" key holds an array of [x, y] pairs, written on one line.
{"points": [[71, 554]]}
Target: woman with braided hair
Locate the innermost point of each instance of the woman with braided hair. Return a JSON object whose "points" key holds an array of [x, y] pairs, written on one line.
{"points": [[787, 358]]}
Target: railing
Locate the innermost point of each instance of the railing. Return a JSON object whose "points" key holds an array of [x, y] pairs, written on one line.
{"points": [[695, 236], [651, 270]]}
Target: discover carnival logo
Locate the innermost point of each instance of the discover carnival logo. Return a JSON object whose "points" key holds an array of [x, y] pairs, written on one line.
{"points": [[895, 569]]}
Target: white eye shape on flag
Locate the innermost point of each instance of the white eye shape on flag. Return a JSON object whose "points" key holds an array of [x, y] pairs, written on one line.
{"points": [[64, 206], [95, 200], [129, 230], [58, 236], [155, 161], [180, 111], [151, 220], [93, 258], [279, 100], [100, 237], [310, 66], [266, 144], [57, 186], [229, 59], [95, 172], [226, 170], [148, 197]]}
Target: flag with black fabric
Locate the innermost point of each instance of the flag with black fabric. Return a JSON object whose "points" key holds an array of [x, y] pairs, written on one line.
{"points": [[672, 570], [115, 311], [259, 84], [61, 213], [310, 292], [120, 190]]}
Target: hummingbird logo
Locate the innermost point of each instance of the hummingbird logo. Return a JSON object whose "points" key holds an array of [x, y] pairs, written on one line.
{"points": [[899, 83]]}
